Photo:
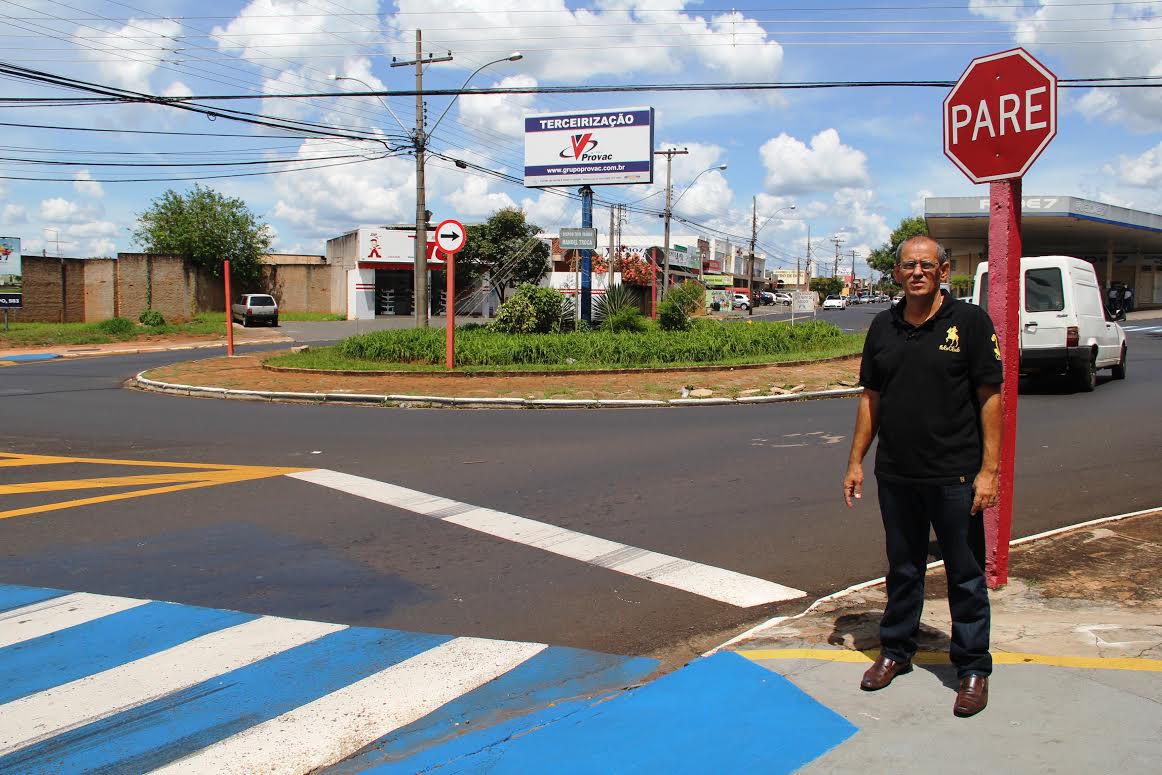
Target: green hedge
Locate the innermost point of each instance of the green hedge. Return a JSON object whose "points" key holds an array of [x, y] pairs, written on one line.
{"points": [[706, 342]]}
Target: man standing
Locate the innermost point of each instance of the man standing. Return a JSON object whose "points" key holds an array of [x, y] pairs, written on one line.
{"points": [[931, 375]]}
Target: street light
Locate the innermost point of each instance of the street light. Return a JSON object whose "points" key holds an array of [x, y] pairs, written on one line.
{"points": [[371, 88], [515, 56], [754, 233], [669, 211]]}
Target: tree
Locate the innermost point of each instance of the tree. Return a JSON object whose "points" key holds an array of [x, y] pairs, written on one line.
{"points": [[506, 246], [883, 258], [206, 228], [826, 286]]}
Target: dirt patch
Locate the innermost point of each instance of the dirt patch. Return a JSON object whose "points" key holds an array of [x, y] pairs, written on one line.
{"points": [[245, 372]]}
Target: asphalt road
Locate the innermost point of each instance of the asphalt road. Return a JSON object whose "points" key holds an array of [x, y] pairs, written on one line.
{"points": [[752, 489]]}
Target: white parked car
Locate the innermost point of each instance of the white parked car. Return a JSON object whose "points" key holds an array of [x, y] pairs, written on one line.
{"points": [[835, 301], [1064, 326], [741, 301], [781, 297], [251, 307]]}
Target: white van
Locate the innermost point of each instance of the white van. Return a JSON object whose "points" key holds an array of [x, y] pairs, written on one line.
{"points": [[1065, 327]]}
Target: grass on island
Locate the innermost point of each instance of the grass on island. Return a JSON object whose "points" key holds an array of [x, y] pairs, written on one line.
{"points": [[113, 330], [480, 348]]}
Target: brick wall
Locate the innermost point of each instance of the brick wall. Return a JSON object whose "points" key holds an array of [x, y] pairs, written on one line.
{"points": [[42, 291], [301, 288], [100, 289]]}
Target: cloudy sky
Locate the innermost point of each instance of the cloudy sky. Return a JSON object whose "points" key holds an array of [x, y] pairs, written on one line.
{"points": [[853, 161]]}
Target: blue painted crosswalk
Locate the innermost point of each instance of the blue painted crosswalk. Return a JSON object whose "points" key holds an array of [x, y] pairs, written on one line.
{"points": [[96, 683]]}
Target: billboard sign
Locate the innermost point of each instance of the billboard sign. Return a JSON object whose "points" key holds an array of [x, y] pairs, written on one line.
{"points": [[577, 239], [392, 246], [11, 282], [597, 147]]}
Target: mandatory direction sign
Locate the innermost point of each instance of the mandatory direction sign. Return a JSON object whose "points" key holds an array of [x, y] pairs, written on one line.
{"points": [[578, 239], [1000, 115], [451, 236]]}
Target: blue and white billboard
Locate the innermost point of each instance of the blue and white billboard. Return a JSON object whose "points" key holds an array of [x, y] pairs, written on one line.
{"points": [[11, 278], [598, 147]]}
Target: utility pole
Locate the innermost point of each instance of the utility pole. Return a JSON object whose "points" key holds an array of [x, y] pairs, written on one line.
{"points": [[853, 271], [835, 269], [420, 295], [754, 232], [609, 263], [669, 154]]}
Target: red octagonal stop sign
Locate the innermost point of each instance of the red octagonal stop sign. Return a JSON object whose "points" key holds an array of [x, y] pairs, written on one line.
{"points": [[1000, 115]]}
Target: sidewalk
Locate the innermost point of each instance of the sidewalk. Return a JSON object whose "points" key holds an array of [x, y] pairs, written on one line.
{"points": [[242, 337], [1077, 683]]}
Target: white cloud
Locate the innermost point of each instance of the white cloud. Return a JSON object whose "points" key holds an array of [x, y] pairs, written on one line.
{"points": [[330, 200], [84, 184], [134, 68], [13, 214], [1144, 170], [917, 204], [1100, 40], [91, 229], [618, 37], [59, 210], [503, 113], [473, 200], [101, 248], [302, 30], [793, 167]]}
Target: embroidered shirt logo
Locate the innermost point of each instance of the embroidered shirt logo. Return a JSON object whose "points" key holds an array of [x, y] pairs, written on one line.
{"points": [[951, 340], [996, 347]]}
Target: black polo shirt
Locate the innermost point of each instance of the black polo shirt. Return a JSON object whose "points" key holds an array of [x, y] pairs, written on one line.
{"points": [[927, 376]]}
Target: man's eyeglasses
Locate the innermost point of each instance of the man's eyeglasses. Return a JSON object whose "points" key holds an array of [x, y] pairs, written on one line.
{"points": [[910, 266]]}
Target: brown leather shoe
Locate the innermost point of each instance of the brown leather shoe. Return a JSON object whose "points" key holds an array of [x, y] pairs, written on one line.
{"points": [[972, 697], [881, 673]]}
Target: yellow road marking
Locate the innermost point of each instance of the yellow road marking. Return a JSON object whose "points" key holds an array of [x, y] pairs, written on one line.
{"points": [[941, 658], [190, 476], [208, 477]]}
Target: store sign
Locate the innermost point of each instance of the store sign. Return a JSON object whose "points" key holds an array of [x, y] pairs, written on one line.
{"points": [[599, 147], [681, 256], [11, 276], [392, 246]]}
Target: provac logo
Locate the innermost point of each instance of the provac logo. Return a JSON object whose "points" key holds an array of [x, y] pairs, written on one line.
{"points": [[580, 147]]}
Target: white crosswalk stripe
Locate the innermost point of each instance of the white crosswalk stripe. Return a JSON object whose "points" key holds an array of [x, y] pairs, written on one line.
{"points": [[49, 616], [1141, 329], [42, 715], [720, 584], [335, 726], [227, 693]]}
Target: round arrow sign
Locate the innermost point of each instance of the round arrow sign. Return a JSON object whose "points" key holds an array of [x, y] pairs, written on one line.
{"points": [[451, 236]]}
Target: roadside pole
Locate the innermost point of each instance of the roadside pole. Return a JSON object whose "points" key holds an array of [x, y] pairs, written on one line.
{"points": [[586, 264], [229, 311], [1004, 296], [451, 236]]}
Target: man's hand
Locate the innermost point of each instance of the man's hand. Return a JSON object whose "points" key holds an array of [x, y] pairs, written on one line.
{"points": [[985, 491], [853, 483]]}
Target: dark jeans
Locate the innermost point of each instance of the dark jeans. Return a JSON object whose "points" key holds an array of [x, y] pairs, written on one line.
{"points": [[907, 511]]}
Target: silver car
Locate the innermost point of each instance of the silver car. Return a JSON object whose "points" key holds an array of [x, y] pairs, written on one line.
{"points": [[251, 307]]}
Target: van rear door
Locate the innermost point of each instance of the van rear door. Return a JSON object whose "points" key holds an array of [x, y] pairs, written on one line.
{"points": [[1044, 290]]}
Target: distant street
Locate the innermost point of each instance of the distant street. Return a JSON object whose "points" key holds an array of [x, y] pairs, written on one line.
{"points": [[748, 490]]}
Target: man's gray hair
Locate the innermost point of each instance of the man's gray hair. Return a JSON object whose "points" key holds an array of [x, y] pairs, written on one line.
{"points": [[940, 251]]}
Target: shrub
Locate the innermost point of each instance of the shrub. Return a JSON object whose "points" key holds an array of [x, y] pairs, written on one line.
{"points": [[151, 317], [531, 310], [616, 299], [117, 327], [625, 319], [690, 296], [672, 316]]}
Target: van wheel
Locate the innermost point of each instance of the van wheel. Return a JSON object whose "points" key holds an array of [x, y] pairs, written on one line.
{"points": [[1087, 376], [1119, 371], [245, 321]]}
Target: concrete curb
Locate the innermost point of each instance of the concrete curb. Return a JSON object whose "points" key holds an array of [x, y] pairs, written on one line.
{"points": [[199, 391], [854, 588]]}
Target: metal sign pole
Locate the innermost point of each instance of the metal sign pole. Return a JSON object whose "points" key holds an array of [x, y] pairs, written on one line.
{"points": [[1004, 294]]}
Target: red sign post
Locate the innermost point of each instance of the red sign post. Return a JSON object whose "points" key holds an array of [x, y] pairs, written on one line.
{"points": [[998, 118], [450, 238]]}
